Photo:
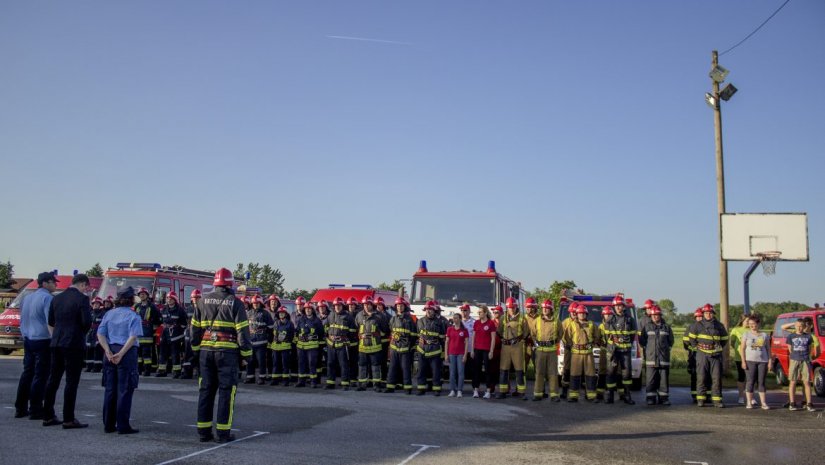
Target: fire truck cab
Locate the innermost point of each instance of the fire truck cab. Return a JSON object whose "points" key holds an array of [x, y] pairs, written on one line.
{"points": [[453, 288]]}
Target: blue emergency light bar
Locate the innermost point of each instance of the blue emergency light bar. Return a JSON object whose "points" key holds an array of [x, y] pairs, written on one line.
{"points": [[422, 266], [589, 298], [362, 286], [491, 266], [154, 266]]}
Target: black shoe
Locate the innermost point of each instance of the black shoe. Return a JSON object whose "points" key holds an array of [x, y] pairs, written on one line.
{"points": [[314, 385], [53, 421], [651, 401], [555, 399], [109, 430], [360, 388], [389, 391], [206, 438], [700, 403], [128, 431], [377, 389], [437, 393], [248, 381], [224, 438], [36, 416], [88, 369], [329, 386], [609, 398], [21, 413], [420, 392], [260, 382], [597, 400], [301, 384], [408, 392], [74, 424], [719, 405], [97, 369], [186, 376], [664, 401], [536, 398], [563, 394], [500, 395], [274, 382], [286, 383], [628, 399], [176, 375], [160, 374], [346, 388], [572, 399]]}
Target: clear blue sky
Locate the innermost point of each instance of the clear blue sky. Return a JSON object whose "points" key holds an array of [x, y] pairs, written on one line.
{"points": [[565, 140]]}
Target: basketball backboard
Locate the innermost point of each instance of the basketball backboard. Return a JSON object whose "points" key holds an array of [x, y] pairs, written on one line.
{"points": [[746, 235]]}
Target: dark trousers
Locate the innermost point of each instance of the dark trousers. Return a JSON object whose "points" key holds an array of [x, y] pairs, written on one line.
{"points": [[385, 361], [709, 366], [145, 355], [188, 356], [258, 361], [400, 366], [322, 360], [308, 365], [369, 367], [692, 372], [338, 365], [32, 387], [352, 352], [120, 382], [94, 356], [293, 362], [756, 376], [619, 366], [482, 370], [658, 382], [69, 361], [429, 366], [280, 364], [219, 375], [170, 351]]}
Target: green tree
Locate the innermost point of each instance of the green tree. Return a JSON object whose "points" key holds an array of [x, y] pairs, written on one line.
{"points": [[668, 309], [295, 293], [6, 274], [395, 286], [95, 271], [269, 279], [554, 292]]}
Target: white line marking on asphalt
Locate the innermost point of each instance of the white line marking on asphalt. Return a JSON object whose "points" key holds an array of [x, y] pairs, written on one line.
{"points": [[700, 463], [422, 448], [192, 426], [160, 422], [89, 415], [193, 454], [9, 408]]}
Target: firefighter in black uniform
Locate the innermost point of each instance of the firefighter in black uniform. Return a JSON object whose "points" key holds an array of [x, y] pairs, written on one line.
{"points": [[283, 335], [691, 351], [173, 318], [381, 310], [149, 320], [619, 332], [709, 338], [220, 336], [309, 333], [372, 329], [656, 337], [297, 317], [341, 330], [188, 355], [323, 315], [403, 338], [261, 325], [352, 308], [94, 353], [431, 335]]}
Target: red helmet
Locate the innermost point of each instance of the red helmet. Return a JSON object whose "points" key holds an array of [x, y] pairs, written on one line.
{"points": [[379, 300], [531, 303], [511, 303], [431, 304], [323, 303], [572, 307], [655, 310], [698, 313], [564, 299], [110, 299], [648, 303], [97, 300], [618, 300], [607, 310], [498, 309], [283, 310], [708, 308], [143, 290], [401, 301], [338, 301], [308, 305], [352, 301], [256, 299], [547, 304], [196, 294], [299, 302], [581, 310], [173, 296], [366, 300], [223, 277], [273, 297]]}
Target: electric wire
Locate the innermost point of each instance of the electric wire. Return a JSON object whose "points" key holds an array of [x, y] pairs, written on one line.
{"points": [[757, 29]]}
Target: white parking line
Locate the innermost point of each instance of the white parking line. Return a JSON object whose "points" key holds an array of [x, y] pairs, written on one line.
{"points": [[260, 433], [421, 448], [699, 463], [89, 415], [9, 408], [160, 422]]}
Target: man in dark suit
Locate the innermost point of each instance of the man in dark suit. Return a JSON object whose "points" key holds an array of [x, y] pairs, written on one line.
{"points": [[70, 318]]}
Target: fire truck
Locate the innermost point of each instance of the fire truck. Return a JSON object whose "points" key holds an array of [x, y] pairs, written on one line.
{"points": [[359, 291], [453, 288], [594, 305], [10, 337]]}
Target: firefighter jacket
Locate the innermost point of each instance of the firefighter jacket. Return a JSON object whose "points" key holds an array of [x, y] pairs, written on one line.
{"points": [[619, 332], [581, 337], [149, 320], [686, 338], [546, 334], [219, 324], [709, 337], [657, 340], [403, 333], [260, 327], [342, 329], [91, 335], [325, 323], [431, 335], [513, 329], [643, 321], [283, 334], [310, 331], [531, 325], [386, 317], [372, 330], [173, 319]]}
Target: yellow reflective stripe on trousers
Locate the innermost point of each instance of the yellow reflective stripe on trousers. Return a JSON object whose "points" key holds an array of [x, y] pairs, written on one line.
{"points": [[228, 426], [204, 424]]}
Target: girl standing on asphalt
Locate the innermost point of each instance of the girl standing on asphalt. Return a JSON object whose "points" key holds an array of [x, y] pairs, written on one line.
{"points": [[755, 353], [458, 344]]}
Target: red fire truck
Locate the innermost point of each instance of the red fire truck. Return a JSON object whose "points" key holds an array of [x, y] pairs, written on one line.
{"points": [[359, 291]]}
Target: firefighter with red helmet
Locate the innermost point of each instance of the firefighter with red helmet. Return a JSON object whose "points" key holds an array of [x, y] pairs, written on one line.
{"points": [[571, 318], [657, 340], [691, 351], [149, 320], [309, 333], [431, 335], [709, 337], [353, 310], [94, 353], [531, 315], [580, 337], [220, 339], [546, 335], [644, 319], [601, 383], [403, 338], [283, 335], [297, 317], [513, 331], [619, 333], [372, 330], [188, 355], [261, 326], [342, 329], [173, 321], [323, 315], [381, 311]]}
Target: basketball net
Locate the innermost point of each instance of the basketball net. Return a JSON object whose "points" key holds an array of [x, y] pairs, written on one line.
{"points": [[768, 260]]}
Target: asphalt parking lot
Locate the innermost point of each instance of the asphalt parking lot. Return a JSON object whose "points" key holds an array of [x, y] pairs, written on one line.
{"points": [[305, 426]]}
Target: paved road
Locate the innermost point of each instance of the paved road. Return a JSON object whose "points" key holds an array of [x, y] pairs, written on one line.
{"points": [[304, 426]]}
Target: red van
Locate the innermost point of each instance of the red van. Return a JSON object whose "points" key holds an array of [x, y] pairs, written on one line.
{"points": [[359, 291], [10, 338], [779, 349]]}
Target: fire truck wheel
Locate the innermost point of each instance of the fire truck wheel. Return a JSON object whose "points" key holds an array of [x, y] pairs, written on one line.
{"points": [[6, 351]]}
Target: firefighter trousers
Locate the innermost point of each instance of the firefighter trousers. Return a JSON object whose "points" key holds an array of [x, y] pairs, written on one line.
{"points": [[582, 365], [352, 354], [658, 382], [322, 360], [218, 375], [188, 357], [432, 366], [94, 357], [400, 367], [308, 365], [692, 372], [369, 368], [281, 360], [385, 362], [709, 370], [170, 351], [619, 366], [338, 365], [547, 371], [258, 360], [601, 380], [512, 356], [565, 375]]}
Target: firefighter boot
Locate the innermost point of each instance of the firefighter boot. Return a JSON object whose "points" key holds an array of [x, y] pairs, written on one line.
{"points": [[205, 434], [663, 400], [160, 374], [651, 401], [176, 374], [89, 367], [609, 397], [627, 398], [187, 373], [563, 394]]}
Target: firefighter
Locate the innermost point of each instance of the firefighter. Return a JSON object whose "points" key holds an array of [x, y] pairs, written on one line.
{"points": [[94, 353], [297, 317], [513, 331], [149, 320], [644, 319], [565, 375], [546, 335], [431, 335], [531, 315], [403, 336], [381, 311], [709, 338], [282, 339], [601, 383], [247, 303], [619, 333], [310, 331], [173, 318], [271, 304], [188, 354], [581, 337], [372, 330], [341, 330], [323, 315], [691, 351], [352, 308], [657, 340], [261, 326], [220, 337]]}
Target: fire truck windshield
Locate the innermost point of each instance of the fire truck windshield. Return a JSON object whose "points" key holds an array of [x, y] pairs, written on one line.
{"points": [[112, 284], [454, 291]]}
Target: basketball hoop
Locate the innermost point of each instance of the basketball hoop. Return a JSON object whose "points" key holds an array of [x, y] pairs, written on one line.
{"points": [[768, 261]]}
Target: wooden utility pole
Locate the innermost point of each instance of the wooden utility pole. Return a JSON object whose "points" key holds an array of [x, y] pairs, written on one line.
{"points": [[720, 193]]}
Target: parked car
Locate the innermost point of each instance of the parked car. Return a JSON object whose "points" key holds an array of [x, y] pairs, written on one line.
{"points": [[779, 348]]}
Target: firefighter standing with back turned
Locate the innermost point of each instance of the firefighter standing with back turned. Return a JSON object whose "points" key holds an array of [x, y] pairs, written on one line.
{"points": [[709, 338], [220, 337]]}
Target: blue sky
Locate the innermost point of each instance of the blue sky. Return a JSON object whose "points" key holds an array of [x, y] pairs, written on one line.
{"points": [[565, 140]]}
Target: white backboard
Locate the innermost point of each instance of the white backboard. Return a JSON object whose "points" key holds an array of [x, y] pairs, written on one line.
{"points": [[744, 235]]}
